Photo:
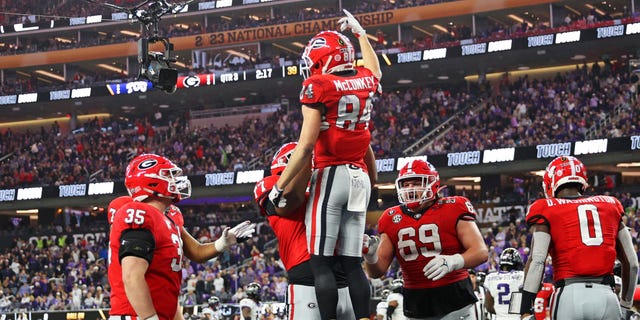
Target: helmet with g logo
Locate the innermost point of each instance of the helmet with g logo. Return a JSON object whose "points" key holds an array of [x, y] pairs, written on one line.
{"points": [[151, 175], [327, 52]]}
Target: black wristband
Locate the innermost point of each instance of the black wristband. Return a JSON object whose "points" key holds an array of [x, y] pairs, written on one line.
{"points": [[527, 302], [269, 208]]}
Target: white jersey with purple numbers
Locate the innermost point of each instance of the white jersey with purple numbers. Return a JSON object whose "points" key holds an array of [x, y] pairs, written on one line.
{"points": [[398, 312], [381, 310], [215, 314], [251, 304], [500, 285]]}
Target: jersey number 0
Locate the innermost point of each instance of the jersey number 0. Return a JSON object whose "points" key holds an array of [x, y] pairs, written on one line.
{"points": [[591, 234]]}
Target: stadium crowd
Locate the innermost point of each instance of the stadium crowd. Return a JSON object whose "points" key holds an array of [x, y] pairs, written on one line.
{"points": [[517, 112]]}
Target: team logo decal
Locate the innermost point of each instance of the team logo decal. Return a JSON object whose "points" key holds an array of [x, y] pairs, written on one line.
{"points": [[396, 218], [318, 43], [191, 81], [144, 165]]}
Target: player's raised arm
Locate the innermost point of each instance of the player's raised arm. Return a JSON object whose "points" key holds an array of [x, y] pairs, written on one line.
{"points": [[301, 157], [369, 56]]}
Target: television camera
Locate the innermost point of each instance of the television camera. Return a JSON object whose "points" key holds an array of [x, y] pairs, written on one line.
{"points": [[153, 65]]}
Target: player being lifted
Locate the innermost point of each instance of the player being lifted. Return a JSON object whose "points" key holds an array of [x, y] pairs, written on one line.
{"points": [[502, 283], [292, 243], [435, 240], [584, 234], [336, 102]]}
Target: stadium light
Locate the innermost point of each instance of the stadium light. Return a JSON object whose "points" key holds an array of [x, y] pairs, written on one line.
{"points": [[441, 28], [628, 164], [112, 68], [50, 75]]}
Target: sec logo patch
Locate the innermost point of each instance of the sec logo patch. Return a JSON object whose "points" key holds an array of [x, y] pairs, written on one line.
{"points": [[396, 218]]}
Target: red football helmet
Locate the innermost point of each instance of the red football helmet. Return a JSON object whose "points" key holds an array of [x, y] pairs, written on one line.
{"points": [[563, 170], [153, 175], [415, 195], [115, 204], [281, 158], [327, 52]]}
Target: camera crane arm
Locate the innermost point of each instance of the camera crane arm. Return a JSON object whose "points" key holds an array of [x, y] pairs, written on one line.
{"points": [[148, 13]]}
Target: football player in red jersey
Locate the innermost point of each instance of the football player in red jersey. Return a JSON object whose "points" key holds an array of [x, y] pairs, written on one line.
{"points": [[114, 205], [193, 249], [435, 239], [146, 245], [292, 242], [583, 234], [336, 102]]}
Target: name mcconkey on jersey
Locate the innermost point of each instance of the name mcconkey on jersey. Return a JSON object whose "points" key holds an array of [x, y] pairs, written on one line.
{"points": [[356, 84]]}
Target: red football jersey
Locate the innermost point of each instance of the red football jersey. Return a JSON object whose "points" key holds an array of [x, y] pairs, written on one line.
{"points": [[418, 237], [164, 273], [289, 230], [344, 132], [174, 213], [583, 234], [541, 303], [115, 204]]}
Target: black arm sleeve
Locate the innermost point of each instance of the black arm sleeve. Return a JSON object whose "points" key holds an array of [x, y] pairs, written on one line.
{"points": [[269, 208], [138, 243], [390, 310], [527, 302]]}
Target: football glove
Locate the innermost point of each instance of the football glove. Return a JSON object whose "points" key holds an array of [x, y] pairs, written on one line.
{"points": [[350, 22], [275, 196], [225, 241], [243, 230], [439, 266], [370, 248]]}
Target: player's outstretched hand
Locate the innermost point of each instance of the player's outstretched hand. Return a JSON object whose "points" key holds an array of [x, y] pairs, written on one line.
{"points": [[439, 266], [350, 22], [243, 230], [226, 240], [275, 196], [370, 248]]}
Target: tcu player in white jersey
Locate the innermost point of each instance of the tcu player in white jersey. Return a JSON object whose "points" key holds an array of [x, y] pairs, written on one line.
{"points": [[381, 307], [395, 301], [212, 310], [502, 283], [250, 306]]}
